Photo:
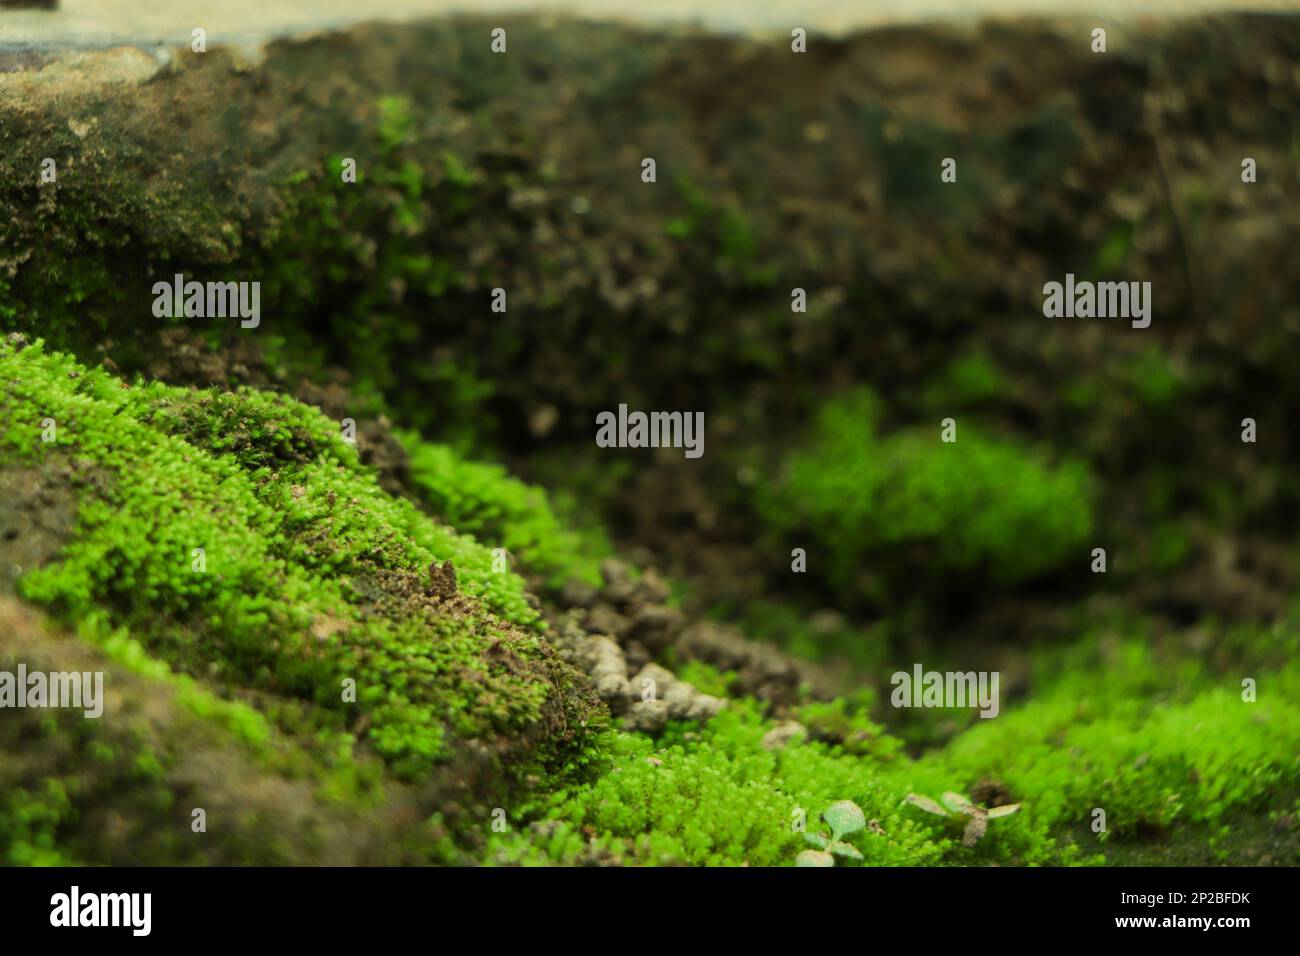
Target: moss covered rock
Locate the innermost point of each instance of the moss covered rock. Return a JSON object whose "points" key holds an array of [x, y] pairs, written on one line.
{"points": [[239, 541]]}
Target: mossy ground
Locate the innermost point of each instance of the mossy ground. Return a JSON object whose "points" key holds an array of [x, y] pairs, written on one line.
{"points": [[236, 538], [321, 564], [296, 596]]}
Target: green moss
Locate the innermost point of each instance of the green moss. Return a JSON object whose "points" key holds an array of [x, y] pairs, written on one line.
{"points": [[1160, 741], [1114, 251], [978, 506], [501, 511], [309, 574], [395, 122], [705, 678], [1156, 741], [1152, 736], [713, 797], [1171, 547], [29, 824], [313, 574], [848, 724], [729, 240], [385, 259], [1156, 379], [1081, 394], [121, 789], [970, 381]]}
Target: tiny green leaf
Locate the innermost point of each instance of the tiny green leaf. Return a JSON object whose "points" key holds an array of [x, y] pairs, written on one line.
{"points": [[816, 839], [814, 858], [840, 848], [844, 817], [926, 804], [1006, 811], [957, 803]]}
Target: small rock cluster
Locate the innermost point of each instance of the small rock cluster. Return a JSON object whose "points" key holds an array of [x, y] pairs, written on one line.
{"points": [[615, 633]]}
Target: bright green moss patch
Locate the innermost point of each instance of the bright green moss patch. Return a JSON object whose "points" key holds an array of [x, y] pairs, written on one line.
{"points": [[1162, 743], [501, 511], [705, 678], [240, 540], [29, 824], [257, 430], [848, 724], [715, 797], [1154, 742], [977, 506]]}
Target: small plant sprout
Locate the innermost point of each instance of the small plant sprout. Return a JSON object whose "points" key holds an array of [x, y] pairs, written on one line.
{"points": [[956, 806], [843, 817]]}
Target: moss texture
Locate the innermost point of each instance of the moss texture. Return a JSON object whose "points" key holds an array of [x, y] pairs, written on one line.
{"points": [[191, 520], [920, 500], [237, 537], [314, 574]]}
